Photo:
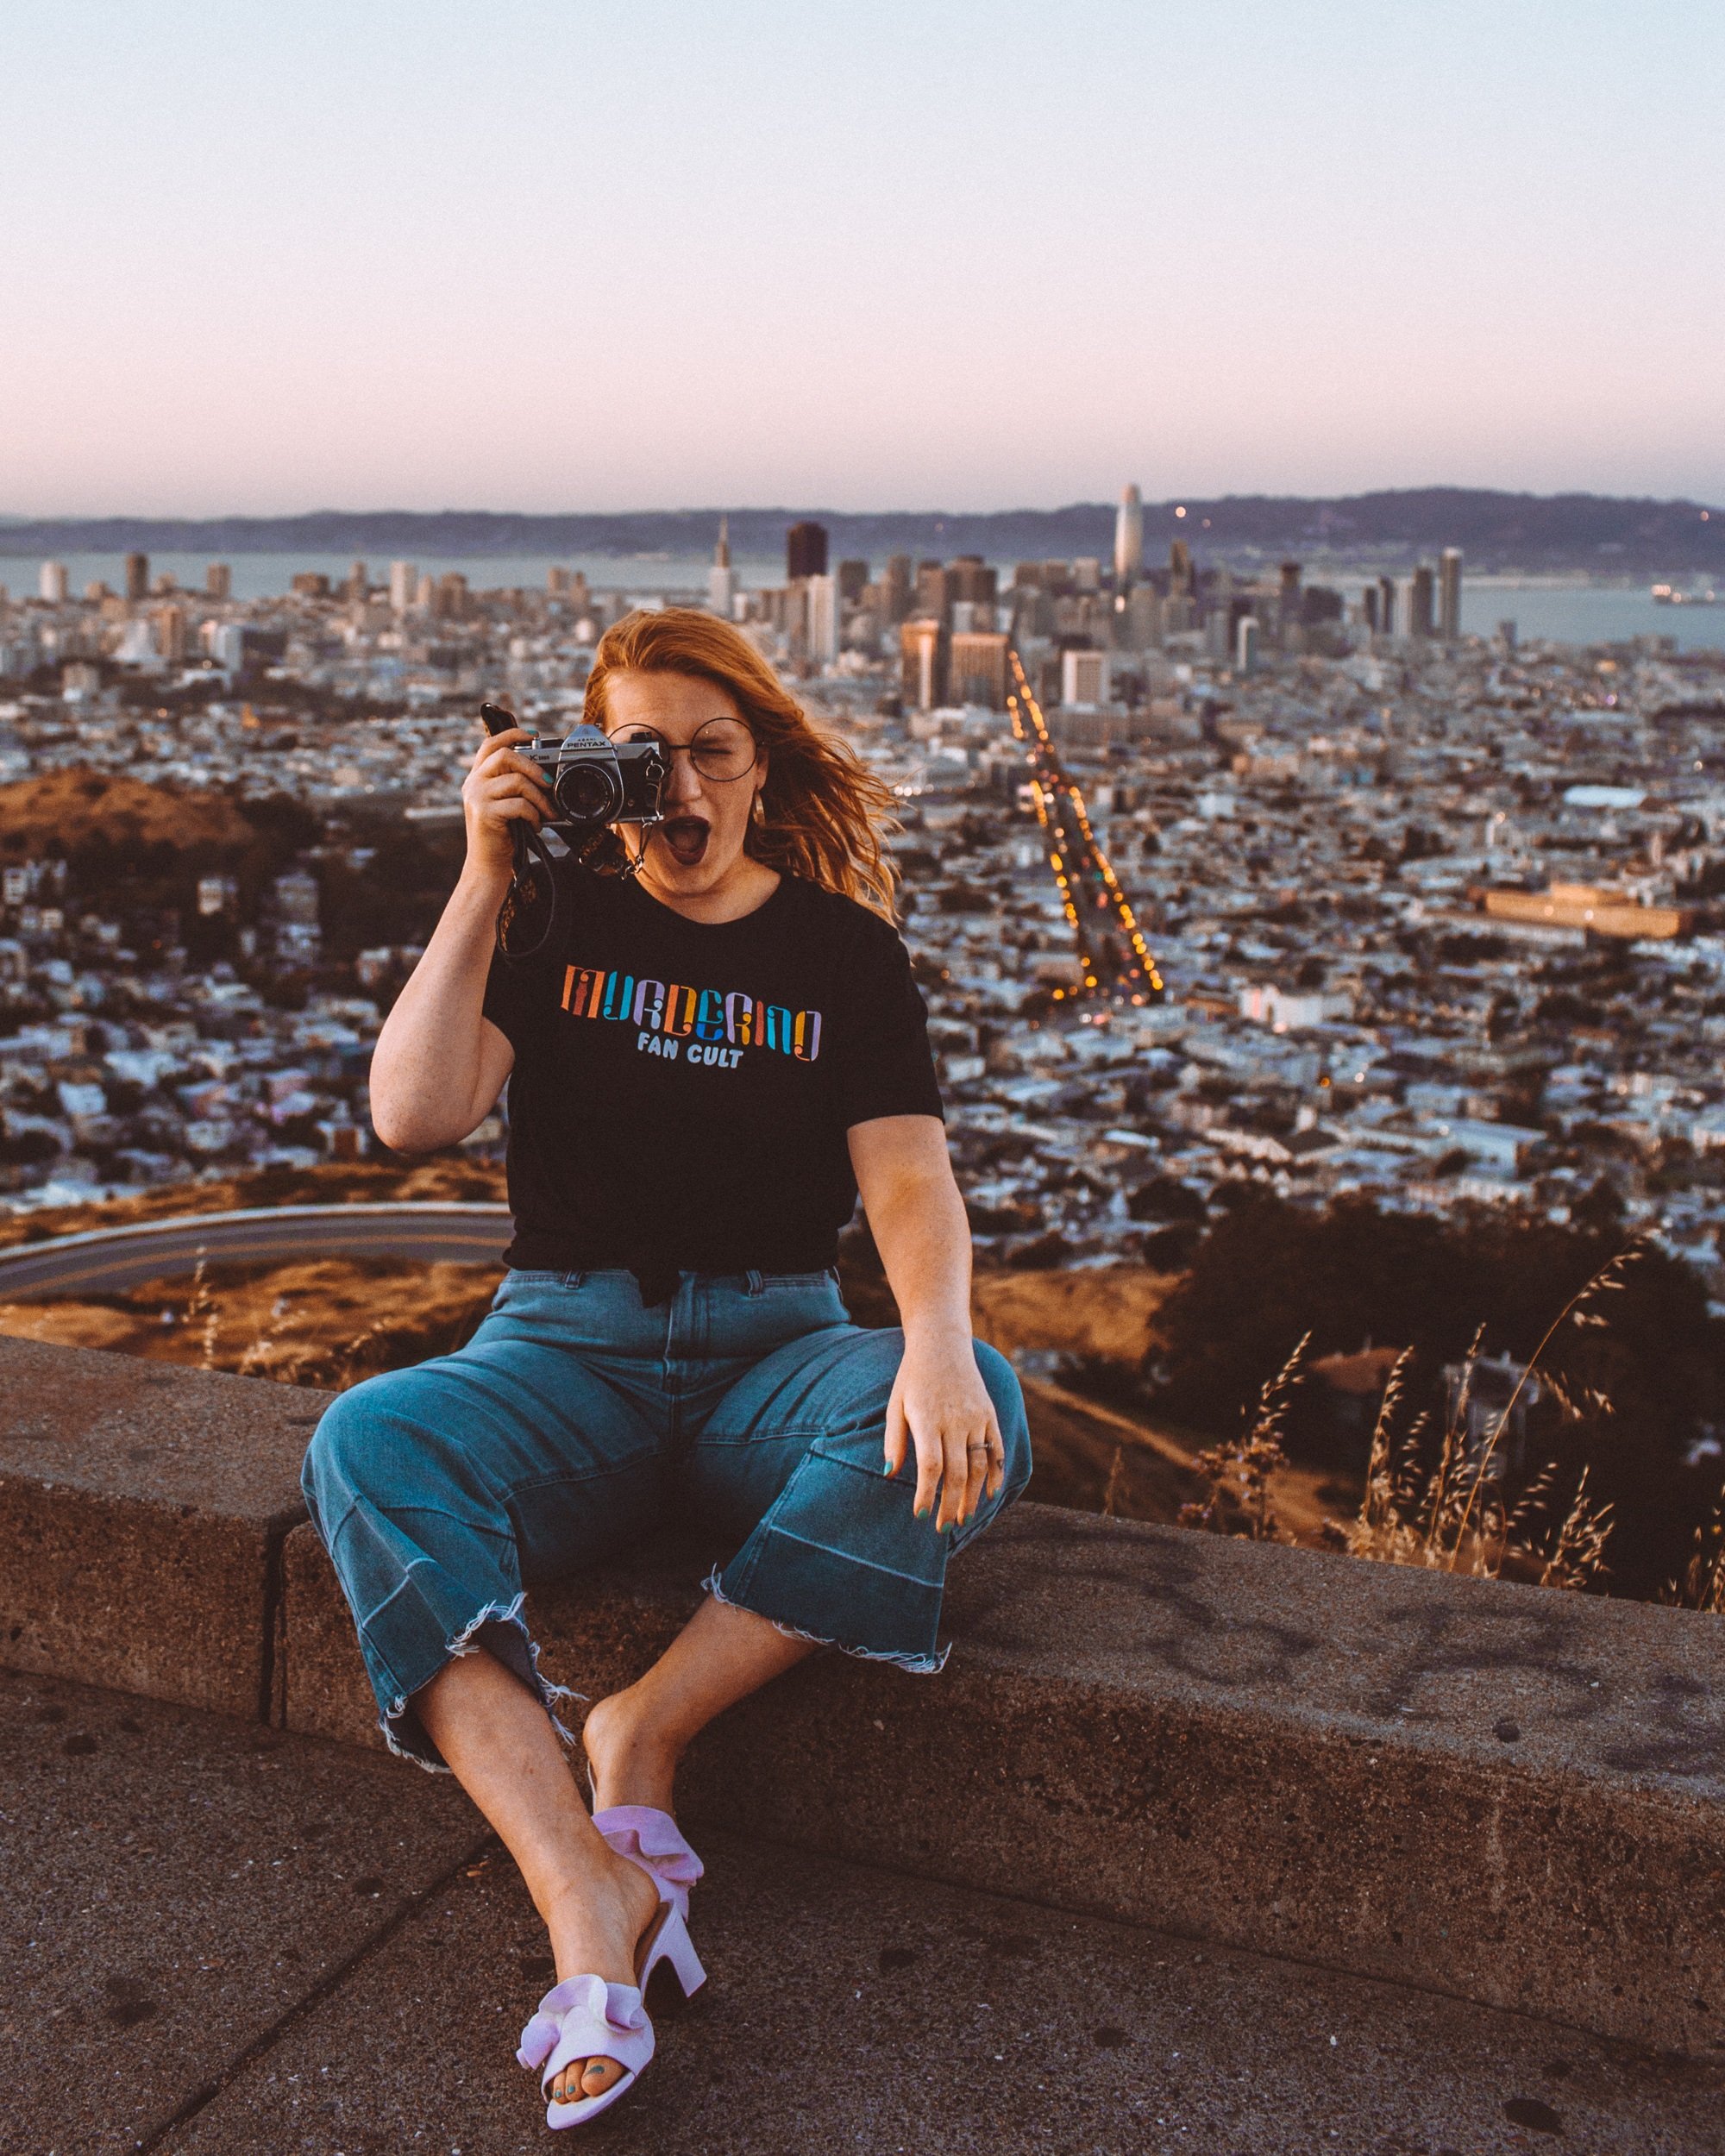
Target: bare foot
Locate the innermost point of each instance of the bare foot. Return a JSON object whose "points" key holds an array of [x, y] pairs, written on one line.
{"points": [[630, 1765], [597, 1929]]}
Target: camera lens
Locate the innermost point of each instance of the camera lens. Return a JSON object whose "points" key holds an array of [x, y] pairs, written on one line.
{"points": [[589, 792]]}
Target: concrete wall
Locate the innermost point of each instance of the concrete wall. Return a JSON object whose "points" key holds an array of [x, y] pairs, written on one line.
{"points": [[1514, 1796]]}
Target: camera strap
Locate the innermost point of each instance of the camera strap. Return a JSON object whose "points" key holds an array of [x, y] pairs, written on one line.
{"points": [[534, 865]]}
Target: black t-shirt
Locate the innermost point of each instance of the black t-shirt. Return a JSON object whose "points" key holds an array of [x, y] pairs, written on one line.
{"points": [[682, 1090]]}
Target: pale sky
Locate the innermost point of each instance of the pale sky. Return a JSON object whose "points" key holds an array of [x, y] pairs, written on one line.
{"points": [[551, 255]]}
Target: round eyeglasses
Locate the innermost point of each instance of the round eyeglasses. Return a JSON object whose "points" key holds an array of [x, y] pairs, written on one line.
{"points": [[722, 750]]}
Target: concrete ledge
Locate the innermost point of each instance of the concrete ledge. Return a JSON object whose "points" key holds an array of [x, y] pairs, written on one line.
{"points": [[1513, 1797], [1510, 1795], [141, 1511]]}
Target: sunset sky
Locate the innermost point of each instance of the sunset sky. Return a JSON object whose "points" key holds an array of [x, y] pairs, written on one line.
{"points": [[553, 255]]}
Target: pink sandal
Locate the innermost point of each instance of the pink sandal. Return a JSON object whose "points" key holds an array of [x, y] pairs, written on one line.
{"points": [[584, 2017], [652, 1839]]}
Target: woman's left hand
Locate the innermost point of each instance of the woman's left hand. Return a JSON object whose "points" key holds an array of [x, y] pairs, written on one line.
{"points": [[941, 1406]]}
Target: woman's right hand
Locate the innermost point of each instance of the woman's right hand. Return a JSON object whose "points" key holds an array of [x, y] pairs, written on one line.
{"points": [[501, 788]]}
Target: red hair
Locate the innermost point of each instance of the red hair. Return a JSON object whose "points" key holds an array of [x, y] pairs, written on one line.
{"points": [[822, 811]]}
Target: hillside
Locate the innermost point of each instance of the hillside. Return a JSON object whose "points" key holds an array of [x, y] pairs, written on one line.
{"points": [[67, 811]]}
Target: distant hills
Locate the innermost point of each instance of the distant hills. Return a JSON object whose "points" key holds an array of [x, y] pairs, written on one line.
{"points": [[1601, 533]]}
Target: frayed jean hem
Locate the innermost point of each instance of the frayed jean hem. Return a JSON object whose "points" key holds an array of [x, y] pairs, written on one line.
{"points": [[914, 1664], [467, 1641]]}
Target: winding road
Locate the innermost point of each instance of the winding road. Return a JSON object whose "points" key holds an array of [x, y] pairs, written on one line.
{"points": [[106, 1261]]}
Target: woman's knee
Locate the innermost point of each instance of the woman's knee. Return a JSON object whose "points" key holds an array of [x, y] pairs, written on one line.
{"points": [[1008, 1395], [355, 1450], [334, 1450]]}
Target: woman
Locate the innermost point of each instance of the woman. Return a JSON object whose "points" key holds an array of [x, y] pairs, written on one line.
{"points": [[710, 1058]]}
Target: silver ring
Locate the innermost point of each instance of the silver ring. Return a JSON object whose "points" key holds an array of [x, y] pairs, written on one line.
{"points": [[982, 1445]]}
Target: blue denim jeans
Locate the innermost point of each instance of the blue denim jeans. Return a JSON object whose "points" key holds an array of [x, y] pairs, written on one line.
{"points": [[576, 1420]]}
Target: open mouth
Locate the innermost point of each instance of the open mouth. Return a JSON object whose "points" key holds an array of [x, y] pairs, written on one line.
{"points": [[685, 837]]}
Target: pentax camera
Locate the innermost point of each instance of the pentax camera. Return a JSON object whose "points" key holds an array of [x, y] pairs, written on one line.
{"points": [[593, 781]]}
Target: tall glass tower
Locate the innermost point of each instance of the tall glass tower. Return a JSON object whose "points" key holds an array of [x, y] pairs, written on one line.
{"points": [[1129, 540]]}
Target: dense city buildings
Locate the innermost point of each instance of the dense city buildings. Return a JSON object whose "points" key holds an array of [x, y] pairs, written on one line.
{"points": [[1433, 919]]}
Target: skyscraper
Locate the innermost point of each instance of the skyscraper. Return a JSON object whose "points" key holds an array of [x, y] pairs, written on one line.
{"points": [[1179, 569], [805, 551], [823, 619], [1129, 539], [922, 662], [968, 577], [853, 580], [895, 587], [976, 668], [404, 587], [1385, 623], [51, 583], [933, 590], [137, 576], [1143, 618], [1449, 595], [1421, 590], [1289, 593], [721, 579], [1084, 678], [219, 580]]}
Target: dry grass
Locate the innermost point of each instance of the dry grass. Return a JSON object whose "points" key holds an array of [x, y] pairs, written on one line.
{"points": [[323, 1321], [1454, 1519], [1237, 1475], [1091, 1459], [1111, 1494], [1702, 1584], [1103, 1311], [1451, 1518]]}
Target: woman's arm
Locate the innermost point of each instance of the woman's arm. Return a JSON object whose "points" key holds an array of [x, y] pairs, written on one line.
{"points": [[440, 1064], [939, 1402]]}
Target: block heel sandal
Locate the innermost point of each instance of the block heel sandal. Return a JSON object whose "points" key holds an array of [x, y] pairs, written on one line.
{"points": [[653, 1840], [584, 2017]]}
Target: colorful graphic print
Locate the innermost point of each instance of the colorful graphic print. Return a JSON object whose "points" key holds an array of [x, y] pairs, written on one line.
{"points": [[717, 1024]]}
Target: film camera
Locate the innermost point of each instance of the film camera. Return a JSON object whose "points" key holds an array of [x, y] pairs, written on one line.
{"points": [[593, 782]]}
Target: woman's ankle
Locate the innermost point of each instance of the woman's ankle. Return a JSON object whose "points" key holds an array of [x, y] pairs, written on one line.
{"points": [[631, 1761], [609, 1903]]}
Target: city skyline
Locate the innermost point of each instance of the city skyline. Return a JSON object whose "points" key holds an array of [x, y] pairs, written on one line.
{"points": [[272, 262]]}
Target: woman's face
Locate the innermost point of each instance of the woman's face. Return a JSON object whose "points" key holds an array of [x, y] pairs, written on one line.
{"points": [[711, 791]]}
